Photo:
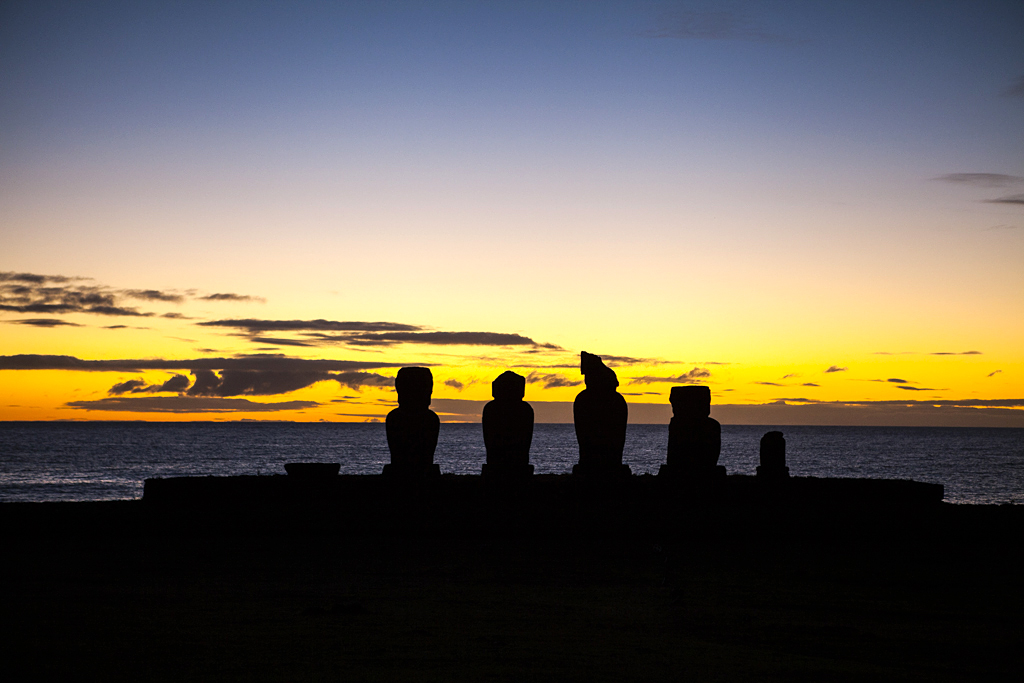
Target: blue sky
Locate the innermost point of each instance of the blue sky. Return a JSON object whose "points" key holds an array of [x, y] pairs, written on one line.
{"points": [[843, 177]]}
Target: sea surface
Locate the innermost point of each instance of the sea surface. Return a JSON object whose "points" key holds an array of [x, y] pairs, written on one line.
{"points": [[77, 461]]}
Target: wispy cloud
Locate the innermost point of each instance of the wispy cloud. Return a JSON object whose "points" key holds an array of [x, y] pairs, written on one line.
{"points": [[369, 334], [710, 25], [153, 295], [260, 362], [552, 380], [176, 384], [982, 179], [187, 404], [955, 353], [454, 384], [835, 368], [255, 326], [993, 373], [250, 382], [1008, 199], [907, 387], [691, 377], [62, 294], [278, 341], [43, 322], [1015, 90], [229, 296], [444, 339]]}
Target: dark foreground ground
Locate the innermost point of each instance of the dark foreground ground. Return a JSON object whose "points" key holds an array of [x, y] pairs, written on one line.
{"points": [[111, 591]]}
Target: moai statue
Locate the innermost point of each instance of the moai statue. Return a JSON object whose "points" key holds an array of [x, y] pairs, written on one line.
{"points": [[599, 413], [694, 437], [508, 428], [412, 427], [773, 457]]}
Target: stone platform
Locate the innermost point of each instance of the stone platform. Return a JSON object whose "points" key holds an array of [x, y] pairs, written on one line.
{"points": [[541, 504]]}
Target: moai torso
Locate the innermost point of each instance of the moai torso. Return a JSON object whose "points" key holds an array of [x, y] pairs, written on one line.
{"points": [[694, 438], [599, 415], [508, 423], [412, 428]]}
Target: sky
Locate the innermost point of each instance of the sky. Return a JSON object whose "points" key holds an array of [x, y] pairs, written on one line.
{"points": [[261, 210]]}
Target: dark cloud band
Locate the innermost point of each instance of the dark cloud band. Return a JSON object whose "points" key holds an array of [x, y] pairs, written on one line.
{"points": [[187, 404], [254, 362]]}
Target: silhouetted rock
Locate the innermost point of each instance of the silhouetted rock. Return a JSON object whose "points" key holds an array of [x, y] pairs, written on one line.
{"points": [[600, 413], [508, 428], [412, 427], [773, 457], [694, 437]]}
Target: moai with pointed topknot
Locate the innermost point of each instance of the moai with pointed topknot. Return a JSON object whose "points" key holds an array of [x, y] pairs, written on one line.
{"points": [[694, 437], [599, 413], [412, 427], [508, 428]]}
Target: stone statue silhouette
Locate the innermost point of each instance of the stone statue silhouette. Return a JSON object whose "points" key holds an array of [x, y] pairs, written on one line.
{"points": [[773, 457], [412, 428], [599, 413], [508, 428], [694, 437]]}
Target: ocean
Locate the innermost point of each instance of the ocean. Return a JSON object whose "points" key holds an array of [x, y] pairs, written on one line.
{"points": [[90, 461]]}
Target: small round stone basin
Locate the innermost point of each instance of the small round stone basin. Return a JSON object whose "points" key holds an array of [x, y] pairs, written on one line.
{"points": [[312, 470]]}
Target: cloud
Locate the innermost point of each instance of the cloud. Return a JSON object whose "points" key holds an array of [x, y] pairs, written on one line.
{"points": [[896, 380], [1008, 199], [691, 377], [43, 322], [254, 326], [251, 362], [132, 385], [614, 361], [187, 404], [955, 353], [906, 387], [370, 334], [153, 295], [32, 278], [709, 25], [810, 384], [271, 382], [175, 316], [1015, 90], [277, 341], [454, 384], [552, 380], [993, 373], [229, 296], [59, 294], [176, 384], [982, 179], [441, 339], [835, 368], [771, 384]]}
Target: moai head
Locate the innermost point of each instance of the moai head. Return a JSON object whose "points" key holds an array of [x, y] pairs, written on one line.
{"points": [[690, 401], [773, 450], [414, 386], [596, 374], [508, 386]]}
